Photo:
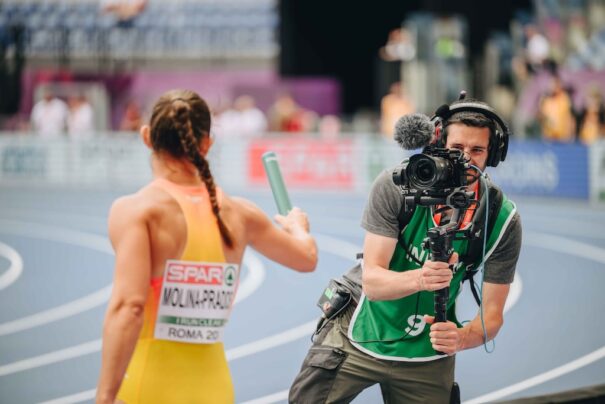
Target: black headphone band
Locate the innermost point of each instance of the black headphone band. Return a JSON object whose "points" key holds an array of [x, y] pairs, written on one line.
{"points": [[485, 110]]}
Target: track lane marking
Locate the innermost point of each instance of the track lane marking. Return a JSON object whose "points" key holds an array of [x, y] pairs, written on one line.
{"points": [[16, 266]]}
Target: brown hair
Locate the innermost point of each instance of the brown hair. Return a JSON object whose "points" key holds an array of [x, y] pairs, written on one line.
{"points": [[471, 118], [180, 119]]}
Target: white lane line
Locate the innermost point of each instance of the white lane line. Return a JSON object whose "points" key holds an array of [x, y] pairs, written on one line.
{"points": [[541, 378], [95, 346], [16, 266], [272, 341], [74, 398], [55, 233], [98, 222], [565, 245], [51, 357], [255, 277], [338, 247], [57, 313]]}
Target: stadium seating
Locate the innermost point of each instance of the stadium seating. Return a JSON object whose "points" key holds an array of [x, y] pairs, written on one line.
{"points": [[194, 29]]}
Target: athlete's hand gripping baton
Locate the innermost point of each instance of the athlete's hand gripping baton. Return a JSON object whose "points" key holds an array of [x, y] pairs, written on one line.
{"points": [[280, 194]]}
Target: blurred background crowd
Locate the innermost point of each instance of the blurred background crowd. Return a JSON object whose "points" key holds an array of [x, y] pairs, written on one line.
{"points": [[76, 68]]}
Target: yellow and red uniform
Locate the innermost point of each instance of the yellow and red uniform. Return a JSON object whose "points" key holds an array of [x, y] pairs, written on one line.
{"points": [[164, 371]]}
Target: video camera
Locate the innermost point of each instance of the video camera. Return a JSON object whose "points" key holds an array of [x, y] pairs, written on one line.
{"points": [[437, 176]]}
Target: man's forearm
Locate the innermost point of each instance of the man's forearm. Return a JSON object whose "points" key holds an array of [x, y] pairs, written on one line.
{"points": [[473, 335], [382, 284]]}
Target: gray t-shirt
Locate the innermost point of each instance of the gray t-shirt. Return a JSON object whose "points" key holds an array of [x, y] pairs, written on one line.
{"points": [[383, 207]]}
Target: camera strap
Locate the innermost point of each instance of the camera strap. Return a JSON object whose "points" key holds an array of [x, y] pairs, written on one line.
{"points": [[474, 251]]}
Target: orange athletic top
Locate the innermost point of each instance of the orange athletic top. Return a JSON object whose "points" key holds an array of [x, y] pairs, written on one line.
{"points": [[163, 371]]}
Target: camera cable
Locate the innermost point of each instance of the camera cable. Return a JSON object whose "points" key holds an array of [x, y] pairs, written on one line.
{"points": [[481, 267]]}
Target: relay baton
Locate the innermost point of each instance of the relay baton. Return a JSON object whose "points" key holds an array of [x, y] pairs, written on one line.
{"points": [[280, 193]]}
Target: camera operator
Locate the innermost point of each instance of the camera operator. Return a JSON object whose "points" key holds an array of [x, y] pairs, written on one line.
{"points": [[388, 334]]}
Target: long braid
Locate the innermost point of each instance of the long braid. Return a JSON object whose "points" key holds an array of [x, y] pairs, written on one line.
{"points": [[189, 143]]}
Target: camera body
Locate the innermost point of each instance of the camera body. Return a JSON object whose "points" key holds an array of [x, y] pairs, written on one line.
{"points": [[435, 176]]}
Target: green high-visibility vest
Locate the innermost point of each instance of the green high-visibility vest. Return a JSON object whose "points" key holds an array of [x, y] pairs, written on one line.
{"points": [[384, 323]]}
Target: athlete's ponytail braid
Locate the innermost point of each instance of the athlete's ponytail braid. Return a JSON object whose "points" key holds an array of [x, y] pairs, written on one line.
{"points": [[187, 116]]}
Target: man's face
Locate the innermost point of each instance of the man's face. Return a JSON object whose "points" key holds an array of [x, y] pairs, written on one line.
{"points": [[473, 141]]}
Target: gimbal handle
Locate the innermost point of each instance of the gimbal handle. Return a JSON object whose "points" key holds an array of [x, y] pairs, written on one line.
{"points": [[439, 240]]}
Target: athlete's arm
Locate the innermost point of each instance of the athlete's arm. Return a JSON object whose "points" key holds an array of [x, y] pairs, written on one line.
{"points": [[291, 245], [447, 338], [380, 283], [124, 317]]}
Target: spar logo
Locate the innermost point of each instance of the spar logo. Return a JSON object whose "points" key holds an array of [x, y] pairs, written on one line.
{"points": [[198, 273]]}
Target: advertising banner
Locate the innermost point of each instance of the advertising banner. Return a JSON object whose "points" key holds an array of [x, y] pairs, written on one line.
{"points": [[306, 163], [544, 169]]}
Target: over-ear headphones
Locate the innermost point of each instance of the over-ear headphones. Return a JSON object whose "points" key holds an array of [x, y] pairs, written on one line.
{"points": [[498, 143]]}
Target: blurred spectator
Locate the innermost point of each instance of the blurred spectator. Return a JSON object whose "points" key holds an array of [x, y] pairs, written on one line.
{"points": [[577, 32], [244, 119], [591, 119], [399, 46], [556, 114], [329, 127], [392, 107], [80, 118], [304, 121], [285, 115], [125, 11], [49, 116], [133, 118], [281, 112], [537, 48]]}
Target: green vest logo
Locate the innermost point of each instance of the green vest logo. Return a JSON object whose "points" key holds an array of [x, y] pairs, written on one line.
{"points": [[230, 276]]}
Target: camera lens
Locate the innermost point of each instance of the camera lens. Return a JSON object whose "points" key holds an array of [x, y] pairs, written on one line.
{"points": [[421, 171], [425, 170]]}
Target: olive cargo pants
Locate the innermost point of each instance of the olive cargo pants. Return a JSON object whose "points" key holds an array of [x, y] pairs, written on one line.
{"points": [[334, 371]]}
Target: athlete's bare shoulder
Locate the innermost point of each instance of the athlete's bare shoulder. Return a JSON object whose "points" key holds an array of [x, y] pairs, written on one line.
{"points": [[138, 208], [244, 208], [139, 204], [253, 219]]}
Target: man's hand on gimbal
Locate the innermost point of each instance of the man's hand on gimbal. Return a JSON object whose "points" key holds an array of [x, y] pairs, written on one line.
{"points": [[435, 275], [446, 337]]}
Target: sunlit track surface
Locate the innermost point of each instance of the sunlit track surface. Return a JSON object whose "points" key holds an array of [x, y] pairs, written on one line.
{"points": [[552, 339]]}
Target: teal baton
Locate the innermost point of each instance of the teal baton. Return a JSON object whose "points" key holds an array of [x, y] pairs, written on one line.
{"points": [[280, 194]]}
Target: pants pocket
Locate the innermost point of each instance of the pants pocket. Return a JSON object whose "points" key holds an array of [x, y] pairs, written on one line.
{"points": [[316, 377]]}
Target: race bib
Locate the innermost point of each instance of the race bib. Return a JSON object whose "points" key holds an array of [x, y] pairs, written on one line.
{"points": [[195, 301]]}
